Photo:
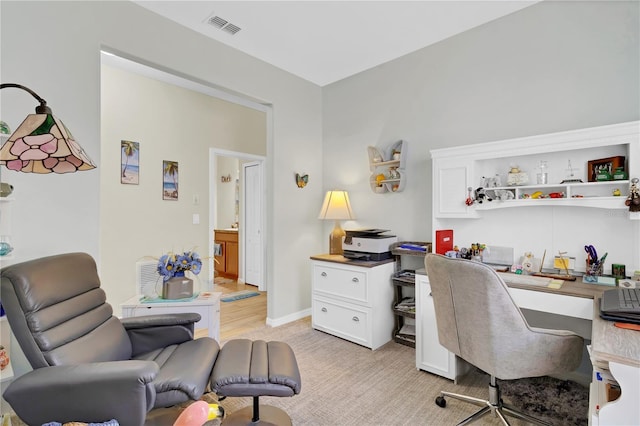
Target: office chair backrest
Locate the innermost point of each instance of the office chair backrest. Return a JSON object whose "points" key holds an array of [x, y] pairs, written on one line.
{"points": [[476, 317], [58, 312]]}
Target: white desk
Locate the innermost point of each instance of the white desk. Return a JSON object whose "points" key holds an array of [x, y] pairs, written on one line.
{"points": [[207, 304], [613, 349]]}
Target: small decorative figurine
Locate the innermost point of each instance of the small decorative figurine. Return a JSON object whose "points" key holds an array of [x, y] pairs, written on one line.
{"points": [[481, 195], [516, 176], [529, 263], [469, 200], [620, 174], [633, 200]]}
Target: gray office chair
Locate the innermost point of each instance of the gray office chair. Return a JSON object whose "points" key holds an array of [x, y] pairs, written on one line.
{"points": [[478, 321], [87, 364]]}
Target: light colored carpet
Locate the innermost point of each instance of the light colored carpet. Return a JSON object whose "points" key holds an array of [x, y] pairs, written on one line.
{"points": [[346, 384]]}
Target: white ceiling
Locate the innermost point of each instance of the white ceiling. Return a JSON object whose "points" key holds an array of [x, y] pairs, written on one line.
{"points": [[326, 41]]}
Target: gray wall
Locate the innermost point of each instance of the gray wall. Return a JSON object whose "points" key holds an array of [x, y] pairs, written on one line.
{"points": [[53, 47], [550, 67]]}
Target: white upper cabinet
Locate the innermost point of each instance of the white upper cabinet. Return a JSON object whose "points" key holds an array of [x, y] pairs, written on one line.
{"points": [[558, 169]]}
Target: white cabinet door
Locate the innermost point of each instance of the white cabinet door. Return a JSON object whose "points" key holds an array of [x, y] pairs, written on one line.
{"points": [[430, 355], [451, 180]]}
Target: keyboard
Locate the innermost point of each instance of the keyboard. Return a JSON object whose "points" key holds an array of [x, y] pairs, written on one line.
{"points": [[628, 298], [510, 278]]}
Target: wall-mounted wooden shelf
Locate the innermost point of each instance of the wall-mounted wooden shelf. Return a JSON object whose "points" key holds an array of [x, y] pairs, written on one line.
{"points": [[388, 163]]}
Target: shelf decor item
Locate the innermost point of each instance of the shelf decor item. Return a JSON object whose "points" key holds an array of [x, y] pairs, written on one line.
{"points": [[336, 206], [5, 189], [572, 174], [5, 245], [620, 174], [517, 176], [42, 143], [599, 169], [633, 200], [5, 130]]}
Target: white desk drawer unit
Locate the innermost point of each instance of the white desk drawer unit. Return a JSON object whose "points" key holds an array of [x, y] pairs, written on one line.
{"points": [[352, 301]]}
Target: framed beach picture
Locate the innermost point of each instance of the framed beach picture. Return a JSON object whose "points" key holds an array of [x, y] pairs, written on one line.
{"points": [[169, 180], [129, 162]]}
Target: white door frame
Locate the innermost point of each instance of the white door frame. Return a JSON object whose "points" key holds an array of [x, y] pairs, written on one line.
{"points": [[213, 153]]}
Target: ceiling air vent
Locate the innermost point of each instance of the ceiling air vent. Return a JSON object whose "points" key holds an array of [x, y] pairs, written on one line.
{"points": [[223, 24], [231, 29]]}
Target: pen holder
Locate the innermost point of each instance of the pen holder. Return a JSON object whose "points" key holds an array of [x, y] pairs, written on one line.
{"points": [[594, 268]]}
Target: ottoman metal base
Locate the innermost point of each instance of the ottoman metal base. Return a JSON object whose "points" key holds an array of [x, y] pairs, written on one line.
{"points": [[269, 415]]}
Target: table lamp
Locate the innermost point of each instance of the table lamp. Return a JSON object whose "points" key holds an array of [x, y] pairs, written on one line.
{"points": [[336, 207]]}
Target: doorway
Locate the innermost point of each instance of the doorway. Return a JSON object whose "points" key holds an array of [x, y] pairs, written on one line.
{"points": [[247, 211]]}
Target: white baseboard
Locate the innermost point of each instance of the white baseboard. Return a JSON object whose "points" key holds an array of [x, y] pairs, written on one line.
{"points": [[275, 322]]}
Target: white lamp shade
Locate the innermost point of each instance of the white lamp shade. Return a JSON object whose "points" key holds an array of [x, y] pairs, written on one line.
{"points": [[336, 206]]}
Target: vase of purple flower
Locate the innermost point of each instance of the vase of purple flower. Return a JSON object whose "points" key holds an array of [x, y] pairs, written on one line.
{"points": [[172, 268]]}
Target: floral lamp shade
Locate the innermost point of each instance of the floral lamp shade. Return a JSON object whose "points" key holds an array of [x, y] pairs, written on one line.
{"points": [[43, 144]]}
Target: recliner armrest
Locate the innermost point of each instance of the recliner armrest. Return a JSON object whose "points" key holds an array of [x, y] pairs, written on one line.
{"points": [[160, 320], [93, 392], [148, 333]]}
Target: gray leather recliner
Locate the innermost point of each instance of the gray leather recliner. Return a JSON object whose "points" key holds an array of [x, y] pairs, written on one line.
{"points": [[87, 364]]}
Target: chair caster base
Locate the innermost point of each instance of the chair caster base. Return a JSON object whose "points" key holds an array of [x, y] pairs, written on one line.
{"points": [[441, 402], [269, 415]]}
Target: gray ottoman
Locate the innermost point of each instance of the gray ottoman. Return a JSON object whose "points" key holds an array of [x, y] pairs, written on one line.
{"points": [[246, 368]]}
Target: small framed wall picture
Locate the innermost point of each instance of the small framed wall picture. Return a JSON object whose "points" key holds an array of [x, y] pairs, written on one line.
{"points": [[603, 167], [170, 180], [129, 162]]}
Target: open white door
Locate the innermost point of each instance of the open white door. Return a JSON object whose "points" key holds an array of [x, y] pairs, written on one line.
{"points": [[253, 224]]}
